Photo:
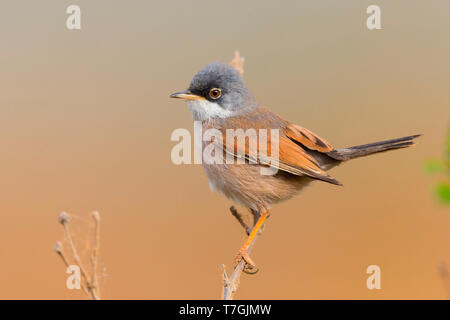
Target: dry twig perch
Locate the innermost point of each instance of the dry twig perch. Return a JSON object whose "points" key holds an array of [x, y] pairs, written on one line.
{"points": [[231, 283], [89, 283], [238, 62]]}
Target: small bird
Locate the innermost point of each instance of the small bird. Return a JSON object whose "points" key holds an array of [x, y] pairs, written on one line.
{"points": [[218, 97]]}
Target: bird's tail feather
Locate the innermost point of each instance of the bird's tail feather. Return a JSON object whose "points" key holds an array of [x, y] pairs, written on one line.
{"points": [[367, 149]]}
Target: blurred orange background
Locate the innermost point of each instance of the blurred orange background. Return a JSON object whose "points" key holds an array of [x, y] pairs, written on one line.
{"points": [[85, 124]]}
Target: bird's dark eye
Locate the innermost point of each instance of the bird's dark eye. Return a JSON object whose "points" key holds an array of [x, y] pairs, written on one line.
{"points": [[215, 93]]}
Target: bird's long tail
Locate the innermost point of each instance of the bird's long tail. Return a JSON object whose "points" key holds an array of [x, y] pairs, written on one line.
{"points": [[366, 149]]}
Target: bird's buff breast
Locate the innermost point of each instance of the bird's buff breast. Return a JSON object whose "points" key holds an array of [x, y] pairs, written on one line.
{"points": [[244, 184]]}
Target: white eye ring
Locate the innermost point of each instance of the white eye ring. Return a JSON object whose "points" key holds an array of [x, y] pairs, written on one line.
{"points": [[215, 93]]}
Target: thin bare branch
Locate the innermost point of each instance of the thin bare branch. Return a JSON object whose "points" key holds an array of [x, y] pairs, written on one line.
{"points": [[64, 219], [60, 252], [241, 221], [90, 282], [95, 249], [231, 283], [238, 62]]}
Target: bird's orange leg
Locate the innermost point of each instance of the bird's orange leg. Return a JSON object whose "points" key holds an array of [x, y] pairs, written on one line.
{"points": [[243, 252]]}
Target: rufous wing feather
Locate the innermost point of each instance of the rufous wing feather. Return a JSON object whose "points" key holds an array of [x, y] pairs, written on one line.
{"points": [[307, 138], [292, 158]]}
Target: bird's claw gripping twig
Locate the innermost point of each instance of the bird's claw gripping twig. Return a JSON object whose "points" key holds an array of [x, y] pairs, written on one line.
{"points": [[250, 267]]}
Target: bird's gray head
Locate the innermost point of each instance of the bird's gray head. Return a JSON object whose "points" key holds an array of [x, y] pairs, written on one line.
{"points": [[217, 91]]}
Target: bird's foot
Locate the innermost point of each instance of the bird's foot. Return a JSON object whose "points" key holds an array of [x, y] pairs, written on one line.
{"points": [[250, 267]]}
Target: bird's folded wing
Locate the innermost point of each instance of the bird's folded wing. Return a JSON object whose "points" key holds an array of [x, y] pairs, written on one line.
{"points": [[307, 138], [292, 158]]}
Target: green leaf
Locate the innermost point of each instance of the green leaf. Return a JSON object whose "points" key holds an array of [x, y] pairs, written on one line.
{"points": [[433, 166], [443, 192]]}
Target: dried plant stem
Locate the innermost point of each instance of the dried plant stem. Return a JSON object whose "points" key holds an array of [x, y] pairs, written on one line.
{"points": [[95, 249], [90, 285], [231, 283], [238, 62], [60, 252], [238, 217]]}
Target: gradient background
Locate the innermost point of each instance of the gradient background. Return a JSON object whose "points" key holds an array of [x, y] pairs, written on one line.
{"points": [[85, 124]]}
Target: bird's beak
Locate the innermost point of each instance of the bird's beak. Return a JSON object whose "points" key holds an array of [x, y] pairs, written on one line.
{"points": [[186, 95]]}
